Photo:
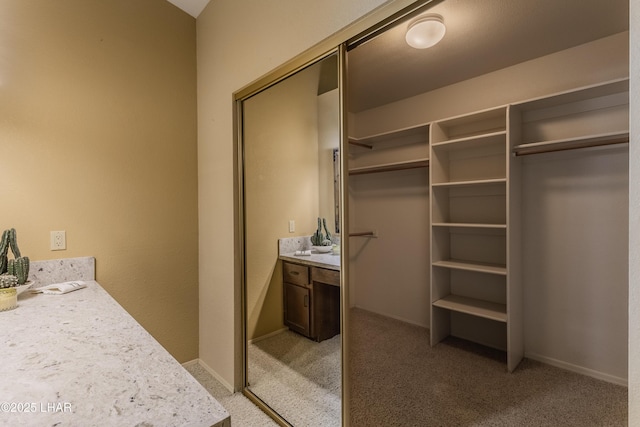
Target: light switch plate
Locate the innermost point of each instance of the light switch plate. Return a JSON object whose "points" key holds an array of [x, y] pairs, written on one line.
{"points": [[292, 226]]}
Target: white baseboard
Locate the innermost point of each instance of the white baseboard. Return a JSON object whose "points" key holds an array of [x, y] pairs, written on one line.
{"points": [[578, 369], [190, 363], [401, 319], [264, 337], [213, 373]]}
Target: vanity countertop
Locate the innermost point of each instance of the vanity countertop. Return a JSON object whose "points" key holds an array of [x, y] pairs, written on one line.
{"points": [[81, 359], [329, 261]]}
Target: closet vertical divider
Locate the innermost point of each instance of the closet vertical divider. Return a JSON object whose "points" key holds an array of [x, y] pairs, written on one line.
{"points": [[515, 291], [474, 291]]}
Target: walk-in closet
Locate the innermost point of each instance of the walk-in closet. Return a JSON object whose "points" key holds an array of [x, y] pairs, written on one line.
{"points": [[488, 215], [472, 267]]}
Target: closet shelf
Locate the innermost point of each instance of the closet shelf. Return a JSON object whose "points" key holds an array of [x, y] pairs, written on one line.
{"points": [[470, 183], [469, 225], [472, 266], [401, 136], [572, 143], [386, 167], [586, 93], [468, 141], [474, 307]]}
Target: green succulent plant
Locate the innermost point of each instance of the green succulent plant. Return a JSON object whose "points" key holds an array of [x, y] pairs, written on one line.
{"points": [[4, 249], [18, 266], [326, 230], [320, 239], [8, 281]]}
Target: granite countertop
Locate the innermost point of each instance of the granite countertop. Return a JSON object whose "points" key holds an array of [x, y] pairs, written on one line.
{"points": [[80, 359], [329, 261], [288, 246]]}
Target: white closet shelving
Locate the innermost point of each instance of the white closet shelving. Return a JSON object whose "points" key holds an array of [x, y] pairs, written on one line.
{"points": [[475, 198], [591, 116], [476, 290], [396, 150], [471, 280]]}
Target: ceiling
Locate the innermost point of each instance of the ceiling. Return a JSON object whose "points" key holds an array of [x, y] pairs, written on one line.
{"points": [[192, 7], [482, 36]]}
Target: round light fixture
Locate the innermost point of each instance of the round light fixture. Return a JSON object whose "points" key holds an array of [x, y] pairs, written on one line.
{"points": [[425, 31]]}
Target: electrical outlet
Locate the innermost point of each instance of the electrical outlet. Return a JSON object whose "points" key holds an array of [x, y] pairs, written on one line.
{"points": [[58, 240], [292, 226]]}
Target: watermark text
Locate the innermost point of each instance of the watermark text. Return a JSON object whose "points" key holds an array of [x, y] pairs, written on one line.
{"points": [[34, 407]]}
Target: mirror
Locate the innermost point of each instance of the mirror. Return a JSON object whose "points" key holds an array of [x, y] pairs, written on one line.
{"points": [[495, 52], [283, 175], [290, 137], [336, 187]]}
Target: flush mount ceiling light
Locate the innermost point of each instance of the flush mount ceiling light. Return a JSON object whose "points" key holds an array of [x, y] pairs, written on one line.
{"points": [[425, 31]]}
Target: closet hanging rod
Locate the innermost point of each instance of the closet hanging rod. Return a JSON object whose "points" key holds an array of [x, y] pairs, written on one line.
{"points": [[360, 144], [572, 144], [364, 234]]}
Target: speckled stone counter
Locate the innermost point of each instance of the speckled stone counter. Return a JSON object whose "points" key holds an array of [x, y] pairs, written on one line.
{"points": [[328, 261], [80, 359], [51, 271], [288, 246]]}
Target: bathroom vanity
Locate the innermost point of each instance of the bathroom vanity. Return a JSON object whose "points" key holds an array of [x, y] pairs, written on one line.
{"points": [[311, 300], [311, 293]]}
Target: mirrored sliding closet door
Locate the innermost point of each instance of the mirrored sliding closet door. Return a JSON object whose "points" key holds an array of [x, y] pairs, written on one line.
{"points": [[291, 181]]}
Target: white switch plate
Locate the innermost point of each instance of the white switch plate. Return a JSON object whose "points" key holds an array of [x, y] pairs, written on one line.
{"points": [[58, 240], [292, 226]]}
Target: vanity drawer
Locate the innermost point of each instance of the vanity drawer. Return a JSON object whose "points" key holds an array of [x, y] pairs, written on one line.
{"points": [[296, 274], [322, 275]]}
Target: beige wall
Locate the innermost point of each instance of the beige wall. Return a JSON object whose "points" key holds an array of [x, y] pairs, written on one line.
{"points": [[328, 141], [281, 184], [239, 41], [98, 138], [289, 136], [390, 273]]}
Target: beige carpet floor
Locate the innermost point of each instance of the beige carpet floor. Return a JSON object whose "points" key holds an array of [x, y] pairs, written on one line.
{"points": [[398, 379], [299, 378]]}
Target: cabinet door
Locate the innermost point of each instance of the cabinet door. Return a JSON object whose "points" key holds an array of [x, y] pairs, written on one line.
{"points": [[297, 313], [326, 311]]}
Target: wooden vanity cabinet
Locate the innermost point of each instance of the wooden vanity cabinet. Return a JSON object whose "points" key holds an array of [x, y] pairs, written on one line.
{"points": [[297, 298], [311, 300], [326, 303]]}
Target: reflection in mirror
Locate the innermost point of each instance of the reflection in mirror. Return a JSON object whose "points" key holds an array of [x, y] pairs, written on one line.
{"points": [[336, 187], [434, 326], [292, 316]]}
